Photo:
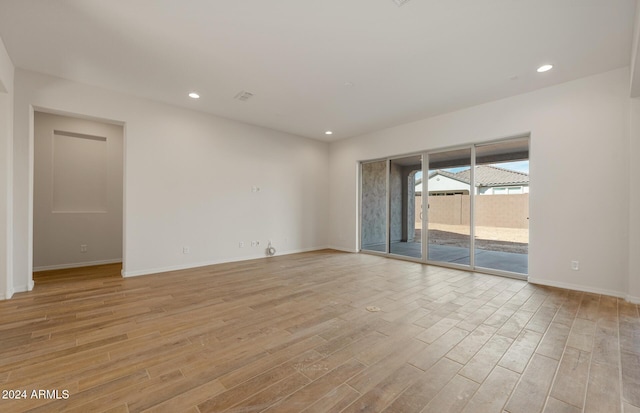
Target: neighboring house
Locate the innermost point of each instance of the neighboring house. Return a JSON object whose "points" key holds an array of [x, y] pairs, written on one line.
{"points": [[489, 180]]}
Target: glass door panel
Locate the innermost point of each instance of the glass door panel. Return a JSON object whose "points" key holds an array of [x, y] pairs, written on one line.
{"points": [[502, 206], [404, 175], [449, 215], [373, 224]]}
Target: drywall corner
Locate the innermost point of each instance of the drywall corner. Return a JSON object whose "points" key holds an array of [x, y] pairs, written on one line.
{"points": [[7, 71]]}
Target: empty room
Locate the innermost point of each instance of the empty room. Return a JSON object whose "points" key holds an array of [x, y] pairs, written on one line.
{"points": [[320, 206]]}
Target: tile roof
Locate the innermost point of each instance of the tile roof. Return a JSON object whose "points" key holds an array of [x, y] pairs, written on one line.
{"points": [[488, 175]]}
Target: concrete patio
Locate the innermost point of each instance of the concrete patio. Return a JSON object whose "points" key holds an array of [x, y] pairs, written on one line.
{"points": [[496, 260]]}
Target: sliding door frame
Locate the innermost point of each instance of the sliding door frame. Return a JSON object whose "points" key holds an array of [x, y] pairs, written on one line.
{"points": [[425, 222], [389, 160], [425, 209]]}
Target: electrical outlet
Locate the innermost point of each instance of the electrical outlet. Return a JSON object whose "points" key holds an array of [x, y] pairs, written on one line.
{"points": [[240, 244], [575, 265], [83, 248], [186, 250]]}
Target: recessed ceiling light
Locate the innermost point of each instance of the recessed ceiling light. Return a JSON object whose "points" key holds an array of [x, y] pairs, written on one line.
{"points": [[194, 95], [545, 68], [328, 132]]}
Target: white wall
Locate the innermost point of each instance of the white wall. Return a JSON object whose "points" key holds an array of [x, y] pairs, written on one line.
{"points": [[634, 203], [6, 162], [579, 141], [189, 177], [188, 180], [92, 215], [444, 183]]}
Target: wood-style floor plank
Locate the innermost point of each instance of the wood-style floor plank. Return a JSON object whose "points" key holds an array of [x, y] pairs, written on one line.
{"points": [[293, 333]]}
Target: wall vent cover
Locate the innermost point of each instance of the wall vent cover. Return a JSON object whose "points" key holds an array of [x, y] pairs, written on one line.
{"points": [[243, 95]]}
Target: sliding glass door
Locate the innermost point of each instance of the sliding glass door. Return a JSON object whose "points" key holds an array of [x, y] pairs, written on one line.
{"points": [[469, 205], [404, 238], [502, 206], [449, 207]]}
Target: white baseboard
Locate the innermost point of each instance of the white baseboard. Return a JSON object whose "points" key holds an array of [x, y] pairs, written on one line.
{"points": [[214, 262], [76, 265], [577, 287], [333, 247], [632, 299]]}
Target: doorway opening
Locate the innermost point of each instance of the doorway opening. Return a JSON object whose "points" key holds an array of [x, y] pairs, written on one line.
{"points": [[78, 193]]}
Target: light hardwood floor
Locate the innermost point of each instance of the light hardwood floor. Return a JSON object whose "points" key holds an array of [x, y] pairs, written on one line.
{"points": [[293, 333]]}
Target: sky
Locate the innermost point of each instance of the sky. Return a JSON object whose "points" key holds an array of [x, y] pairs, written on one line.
{"points": [[519, 166]]}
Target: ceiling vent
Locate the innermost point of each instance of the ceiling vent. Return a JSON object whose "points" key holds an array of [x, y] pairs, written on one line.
{"points": [[243, 95], [400, 3]]}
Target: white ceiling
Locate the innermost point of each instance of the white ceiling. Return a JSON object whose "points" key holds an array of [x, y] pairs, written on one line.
{"points": [[404, 63]]}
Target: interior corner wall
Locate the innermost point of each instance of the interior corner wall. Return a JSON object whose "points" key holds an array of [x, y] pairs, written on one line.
{"points": [[634, 203], [65, 168], [579, 143], [189, 180], [6, 159]]}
